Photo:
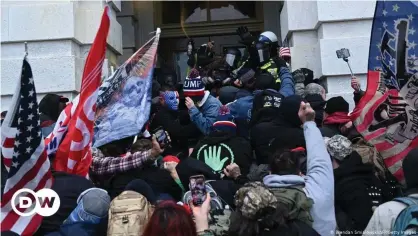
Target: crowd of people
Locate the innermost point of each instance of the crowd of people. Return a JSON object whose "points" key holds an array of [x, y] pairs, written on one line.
{"points": [[277, 156]]}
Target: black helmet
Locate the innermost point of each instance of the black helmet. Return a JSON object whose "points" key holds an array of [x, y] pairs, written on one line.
{"points": [[260, 53], [233, 57]]}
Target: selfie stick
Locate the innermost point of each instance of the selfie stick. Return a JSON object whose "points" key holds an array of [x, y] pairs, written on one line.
{"points": [[348, 63]]}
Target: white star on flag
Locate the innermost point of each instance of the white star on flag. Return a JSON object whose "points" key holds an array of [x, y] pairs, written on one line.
{"points": [[30, 80], [15, 154], [412, 45], [28, 139], [20, 108], [411, 31], [28, 150], [395, 7], [30, 116], [31, 105], [410, 17], [15, 164], [17, 143], [31, 93], [19, 121], [379, 45], [413, 57], [29, 128], [384, 12], [385, 25], [377, 58]]}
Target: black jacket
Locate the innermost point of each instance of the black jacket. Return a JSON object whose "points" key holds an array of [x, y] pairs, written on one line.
{"points": [[284, 131], [353, 204], [180, 130], [236, 149], [68, 187]]}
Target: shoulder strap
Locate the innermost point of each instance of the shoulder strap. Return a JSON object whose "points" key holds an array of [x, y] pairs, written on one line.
{"points": [[407, 200]]}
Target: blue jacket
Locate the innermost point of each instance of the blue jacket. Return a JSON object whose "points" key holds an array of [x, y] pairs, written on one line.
{"points": [[287, 86], [79, 229], [206, 115]]}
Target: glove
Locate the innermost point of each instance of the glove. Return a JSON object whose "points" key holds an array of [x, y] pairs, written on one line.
{"points": [[280, 62], [190, 47], [245, 35]]}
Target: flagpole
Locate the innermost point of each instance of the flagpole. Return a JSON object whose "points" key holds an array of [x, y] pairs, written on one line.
{"points": [[26, 50]]}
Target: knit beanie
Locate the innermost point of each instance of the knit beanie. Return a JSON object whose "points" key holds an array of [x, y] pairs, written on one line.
{"points": [[224, 121], [339, 147], [336, 104], [193, 86], [170, 158]]}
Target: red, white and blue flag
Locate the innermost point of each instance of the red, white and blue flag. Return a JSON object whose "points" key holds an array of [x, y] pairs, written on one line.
{"points": [[387, 114], [72, 136], [29, 164]]}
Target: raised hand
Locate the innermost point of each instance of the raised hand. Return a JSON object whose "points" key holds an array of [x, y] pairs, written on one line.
{"points": [[212, 157]]}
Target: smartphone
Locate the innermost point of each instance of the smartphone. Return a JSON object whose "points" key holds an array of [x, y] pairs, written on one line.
{"points": [[343, 53], [161, 137], [198, 189]]}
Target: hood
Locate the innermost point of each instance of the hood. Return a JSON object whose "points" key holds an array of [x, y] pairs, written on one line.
{"points": [[218, 137], [49, 107], [282, 181], [227, 94], [353, 167], [316, 101], [288, 111]]}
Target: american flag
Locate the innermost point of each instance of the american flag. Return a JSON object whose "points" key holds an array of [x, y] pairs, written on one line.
{"points": [[30, 167], [284, 52]]}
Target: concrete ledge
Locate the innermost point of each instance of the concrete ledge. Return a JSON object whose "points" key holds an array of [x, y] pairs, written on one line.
{"points": [[345, 10], [6, 100]]}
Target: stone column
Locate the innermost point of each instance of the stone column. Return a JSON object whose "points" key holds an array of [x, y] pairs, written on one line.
{"points": [[59, 36], [316, 29]]}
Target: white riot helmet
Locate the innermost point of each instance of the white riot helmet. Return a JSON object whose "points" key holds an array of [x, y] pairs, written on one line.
{"points": [[267, 37]]}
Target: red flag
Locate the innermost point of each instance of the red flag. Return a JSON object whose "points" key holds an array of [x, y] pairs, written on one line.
{"points": [[74, 154]]}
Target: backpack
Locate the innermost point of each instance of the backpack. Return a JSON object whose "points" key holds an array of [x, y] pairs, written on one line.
{"points": [[295, 199], [128, 214], [408, 218], [369, 154]]}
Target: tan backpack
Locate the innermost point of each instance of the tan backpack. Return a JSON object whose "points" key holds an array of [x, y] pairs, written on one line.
{"points": [[128, 214], [369, 154]]}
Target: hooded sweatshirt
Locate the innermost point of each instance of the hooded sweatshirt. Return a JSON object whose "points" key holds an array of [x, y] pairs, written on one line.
{"points": [[218, 145], [318, 104], [283, 130], [319, 181], [352, 200]]}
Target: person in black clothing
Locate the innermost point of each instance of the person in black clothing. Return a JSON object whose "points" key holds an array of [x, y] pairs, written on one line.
{"points": [[281, 130], [222, 146], [354, 181], [315, 95], [176, 123], [68, 187]]}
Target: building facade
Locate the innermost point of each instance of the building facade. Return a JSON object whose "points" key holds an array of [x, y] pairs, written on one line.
{"points": [[59, 35]]}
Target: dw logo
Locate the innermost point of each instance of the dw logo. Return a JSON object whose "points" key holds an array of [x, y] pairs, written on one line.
{"points": [[47, 202]]}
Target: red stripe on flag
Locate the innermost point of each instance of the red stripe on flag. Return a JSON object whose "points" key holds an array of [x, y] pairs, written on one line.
{"points": [[7, 196]]}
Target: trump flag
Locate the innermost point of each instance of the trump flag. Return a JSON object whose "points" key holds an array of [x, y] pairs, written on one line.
{"points": [[124, 100], [387, 114]]}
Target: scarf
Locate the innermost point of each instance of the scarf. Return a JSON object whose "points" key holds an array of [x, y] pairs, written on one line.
{"points": [[337, 118]]}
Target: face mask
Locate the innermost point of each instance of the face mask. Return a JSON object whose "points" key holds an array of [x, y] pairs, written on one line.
{"points": [[171, 99]]}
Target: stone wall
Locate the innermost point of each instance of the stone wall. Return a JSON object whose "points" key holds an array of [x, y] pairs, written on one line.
{"points": [[59, 36], [316, 29]]}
